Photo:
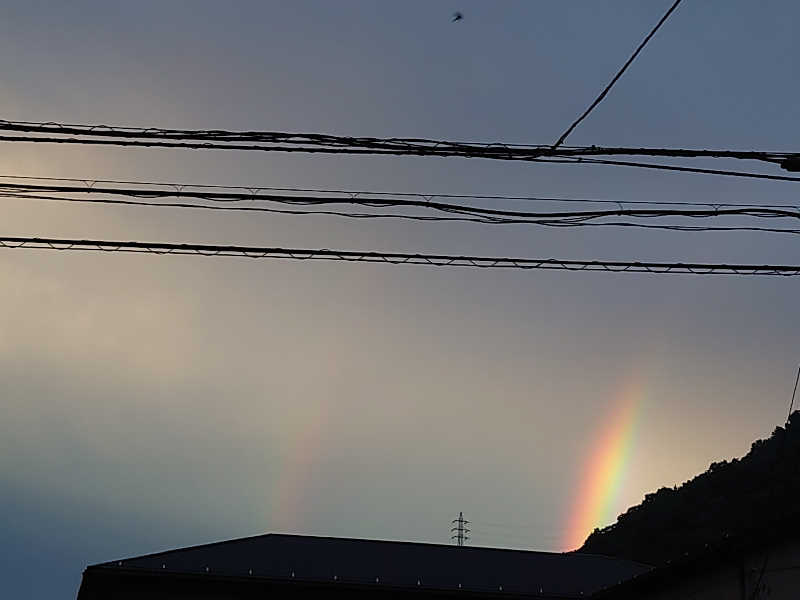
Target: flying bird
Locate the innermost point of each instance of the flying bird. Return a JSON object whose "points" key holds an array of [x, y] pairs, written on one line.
{"points": [[457, 16]]}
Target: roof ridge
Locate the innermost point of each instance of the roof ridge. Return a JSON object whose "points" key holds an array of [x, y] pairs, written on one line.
{"points": [[183, 549], [414, 543], [364, 540]]}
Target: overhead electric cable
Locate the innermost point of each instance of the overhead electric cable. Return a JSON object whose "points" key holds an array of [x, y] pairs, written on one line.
{"points": [[89, 184], [772, 484], [438, 260], [427, 218], [605, 91], [794, 392], [427, 204], [315, 142], [677, 168], [555, 158], [395, 143]]}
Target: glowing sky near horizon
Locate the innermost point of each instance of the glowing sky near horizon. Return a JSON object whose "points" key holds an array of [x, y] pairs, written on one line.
{"points": [[154, 402]]}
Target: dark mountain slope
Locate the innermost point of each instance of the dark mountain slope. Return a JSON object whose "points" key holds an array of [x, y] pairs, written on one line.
{"points": [[729, 499]]}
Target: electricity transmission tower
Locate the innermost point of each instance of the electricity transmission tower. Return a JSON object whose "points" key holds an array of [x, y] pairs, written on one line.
{"points": [[460, 530]]}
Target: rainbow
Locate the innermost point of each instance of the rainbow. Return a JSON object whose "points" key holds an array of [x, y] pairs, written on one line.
{"points": [[603, 473], [299, 459]]}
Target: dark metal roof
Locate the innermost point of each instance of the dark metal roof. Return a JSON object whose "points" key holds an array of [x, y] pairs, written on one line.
{"points": [[390, 564]]}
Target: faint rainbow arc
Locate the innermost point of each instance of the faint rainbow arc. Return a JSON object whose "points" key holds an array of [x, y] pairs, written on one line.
{"points": [[604, 469]]}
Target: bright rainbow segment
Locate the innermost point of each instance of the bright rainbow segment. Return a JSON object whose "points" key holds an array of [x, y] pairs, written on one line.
{"points": [[603, 472], [292, 484]]}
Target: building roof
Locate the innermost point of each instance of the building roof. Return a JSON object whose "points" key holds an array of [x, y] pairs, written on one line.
{"points": [[387, 564], [722, 552]]}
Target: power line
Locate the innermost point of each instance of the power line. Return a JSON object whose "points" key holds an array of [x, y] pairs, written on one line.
{"points": [[794, 391], [510, 536], [438, 260], [778, 457], [559, 158], [512, 533], [531, 541], [617, 76], [384, 200], [428, 204], [522, 527], [557, 223], [276, 141], [676, 168], [89, 184], [409, 145]]}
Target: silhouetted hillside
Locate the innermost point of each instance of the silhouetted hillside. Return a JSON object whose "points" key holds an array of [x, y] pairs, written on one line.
{"points": [[730, 498]]}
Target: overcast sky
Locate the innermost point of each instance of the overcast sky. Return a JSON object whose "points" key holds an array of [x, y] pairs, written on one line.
{"points": [[154, 402]]}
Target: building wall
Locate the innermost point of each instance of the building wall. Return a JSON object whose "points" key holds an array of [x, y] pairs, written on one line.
{"points": [[781, 575], [737, 579]]}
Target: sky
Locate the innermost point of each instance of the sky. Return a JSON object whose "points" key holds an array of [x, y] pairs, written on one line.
{"points": [[156, 402]]}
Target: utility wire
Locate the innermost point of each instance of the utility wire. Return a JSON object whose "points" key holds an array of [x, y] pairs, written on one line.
{"points": [[603, 94], [467, 214], [276, 141], [778, 457], [794, 391], [677, 168], [438, 260], [410, 145], [88, 184], [428, 204], [791, 158], [411, 217]]}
